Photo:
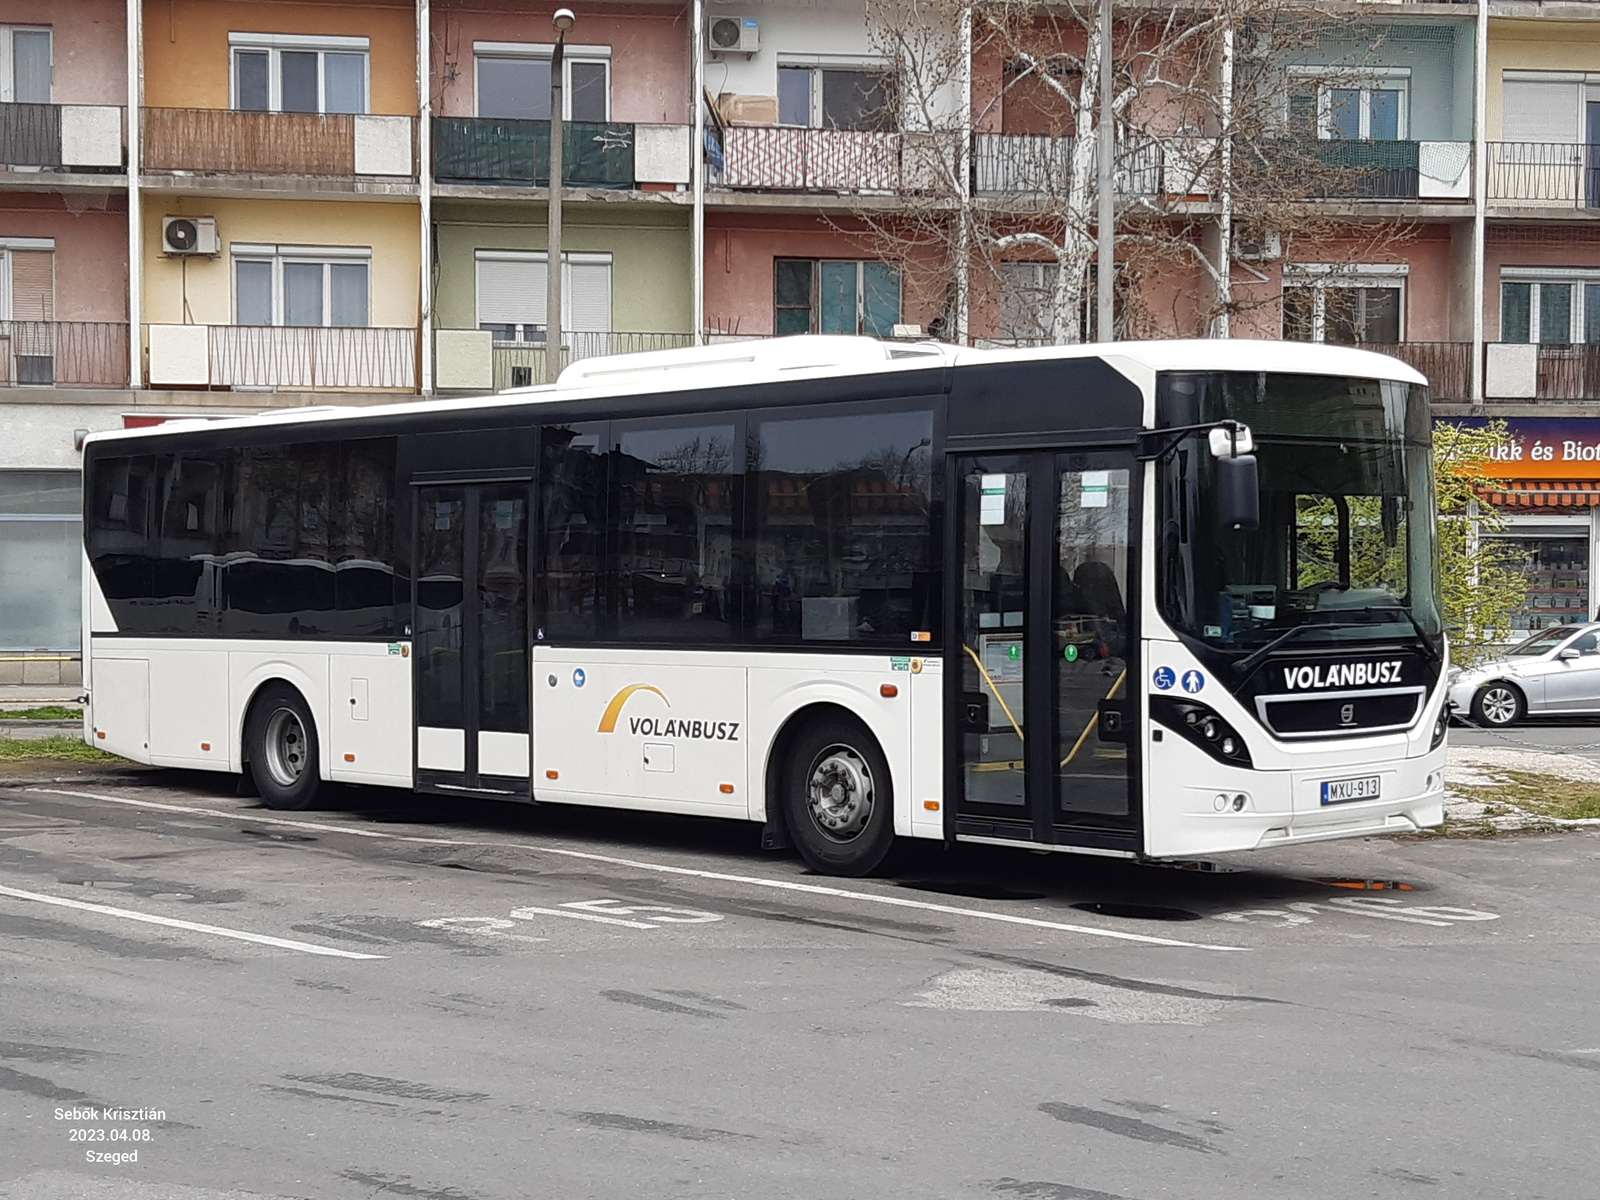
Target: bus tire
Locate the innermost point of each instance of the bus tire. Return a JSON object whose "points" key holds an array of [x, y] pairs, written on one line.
{"points": [[1498, 705], [281, 739], [838, 798]]}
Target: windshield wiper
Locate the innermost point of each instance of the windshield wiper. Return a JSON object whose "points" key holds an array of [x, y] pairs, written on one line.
{"points": [[1428, 648], [1248, 663]]}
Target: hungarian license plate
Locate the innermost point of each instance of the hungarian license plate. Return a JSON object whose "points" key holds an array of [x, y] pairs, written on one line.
{"points": [[1336, 791]]}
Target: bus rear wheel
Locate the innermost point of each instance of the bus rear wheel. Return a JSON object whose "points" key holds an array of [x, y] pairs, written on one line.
{"points": [[281, 739], [837, 797]]}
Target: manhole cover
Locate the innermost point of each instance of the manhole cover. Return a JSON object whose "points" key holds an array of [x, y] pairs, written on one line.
{"points": [[1137, 912], [973, 891]]}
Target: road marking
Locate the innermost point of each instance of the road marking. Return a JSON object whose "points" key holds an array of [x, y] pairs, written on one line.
{"points": [[785, 885], [490, 925], [528, 914], [1384, 908], [240, 935]]}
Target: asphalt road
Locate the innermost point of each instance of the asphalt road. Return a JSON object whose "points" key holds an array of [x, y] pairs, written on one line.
{"points": [[1575, 735], [419, 998]]}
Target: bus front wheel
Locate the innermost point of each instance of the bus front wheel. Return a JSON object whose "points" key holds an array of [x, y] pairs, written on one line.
{"points": [[838, 798], [282, 741]]}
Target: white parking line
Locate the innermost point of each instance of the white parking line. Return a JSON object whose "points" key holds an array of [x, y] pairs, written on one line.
{"points": [[129, 914], [786, 885]]}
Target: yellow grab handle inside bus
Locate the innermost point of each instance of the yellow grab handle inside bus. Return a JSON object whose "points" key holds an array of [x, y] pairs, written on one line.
{"points": [[1094, 720], [1004, 707]]}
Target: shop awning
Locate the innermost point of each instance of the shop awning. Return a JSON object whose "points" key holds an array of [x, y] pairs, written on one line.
{"points": [[1544, 493]]}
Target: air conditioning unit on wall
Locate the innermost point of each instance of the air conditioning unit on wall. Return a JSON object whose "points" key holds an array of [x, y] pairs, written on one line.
{"points": [[189, 235], [733, 35], [1259, 247]]}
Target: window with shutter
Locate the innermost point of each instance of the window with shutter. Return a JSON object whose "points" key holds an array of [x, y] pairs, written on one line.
{"points": [[512, 289], [1539, 111], [33, 285]]}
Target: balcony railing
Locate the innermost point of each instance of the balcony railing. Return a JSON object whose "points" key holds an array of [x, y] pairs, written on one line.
{"points": [[222, 141], [1013, 164], [74, 137], [295, 357], [519, 364], [1448, 365], [63, 353], [505, 151], [781, 158], [1544, 174]]}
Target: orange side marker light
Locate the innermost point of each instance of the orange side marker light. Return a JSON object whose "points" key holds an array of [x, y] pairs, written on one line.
{"points": [[931, 805], [552, 774], [727, 789], [349, 758], [205, 745], [100, 733], [888, 691]]}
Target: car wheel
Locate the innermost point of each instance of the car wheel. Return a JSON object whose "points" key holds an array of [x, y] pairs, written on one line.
{"points": [[1498, 705], [282, 740], [838, 798]]}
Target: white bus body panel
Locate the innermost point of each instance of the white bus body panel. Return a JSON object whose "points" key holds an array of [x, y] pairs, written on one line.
{"points": [[369, 714], [120, 715], [664, 730]]}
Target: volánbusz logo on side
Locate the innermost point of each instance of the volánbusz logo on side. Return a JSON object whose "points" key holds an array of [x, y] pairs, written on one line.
{"points": [[665, 727], [1361, 674]]}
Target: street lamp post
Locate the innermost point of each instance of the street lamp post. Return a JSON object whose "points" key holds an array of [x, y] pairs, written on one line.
{"points": [[563, 20]]}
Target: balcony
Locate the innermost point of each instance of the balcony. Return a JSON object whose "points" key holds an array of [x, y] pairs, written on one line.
{"points": [[1562, 175], [1448, 365], [1012, 164], [69, 137], [63, 354], [513, 153], [1521, 372], [294, 358], [782, 158], [220, 141], [470, 360], [1382, 170]]}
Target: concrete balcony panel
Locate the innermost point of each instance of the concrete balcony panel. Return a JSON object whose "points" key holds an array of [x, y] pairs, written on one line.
{"points": [[61, 136]]}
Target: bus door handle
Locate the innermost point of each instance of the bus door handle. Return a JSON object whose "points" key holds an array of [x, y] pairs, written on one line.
{"points": [[1115, 720]]}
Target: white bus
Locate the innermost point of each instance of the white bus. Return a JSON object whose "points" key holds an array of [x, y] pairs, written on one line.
{"points": [[1149, 600]]}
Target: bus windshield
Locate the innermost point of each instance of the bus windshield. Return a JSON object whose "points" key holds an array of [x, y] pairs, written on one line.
{"points": [[1345, 551]]}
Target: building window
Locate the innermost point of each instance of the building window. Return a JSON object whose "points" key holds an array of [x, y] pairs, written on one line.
{"points": [[836, 98], [24, 65], [284, 73], [1027, 302], [27, 310], [1344, 309], [301, 285], [833, 296], [1033, 101], [513, 81], [1374, 111], [1551, 312], [41, 546], [512, 292]]}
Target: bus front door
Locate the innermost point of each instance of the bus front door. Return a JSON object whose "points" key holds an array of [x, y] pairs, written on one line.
{"points": [[470, 633], [1042, 598]]}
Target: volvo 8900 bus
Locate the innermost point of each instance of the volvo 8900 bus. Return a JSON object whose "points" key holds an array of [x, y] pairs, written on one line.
{"points": [[1150, 600]]}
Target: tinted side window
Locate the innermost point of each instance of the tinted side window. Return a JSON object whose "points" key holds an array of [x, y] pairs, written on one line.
{"points": [[278, 577], [188, 537], [363, 538], [120, 494], [572, 512], [843, 551], [676, 491]]}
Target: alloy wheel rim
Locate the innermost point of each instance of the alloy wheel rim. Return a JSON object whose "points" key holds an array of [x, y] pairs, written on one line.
{"points": [[1499, 706], [839, 793], [285, 747]]}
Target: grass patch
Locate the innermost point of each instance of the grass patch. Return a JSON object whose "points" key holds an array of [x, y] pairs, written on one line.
{"points": [[45, 712], [1543, 795], [17, 749]]}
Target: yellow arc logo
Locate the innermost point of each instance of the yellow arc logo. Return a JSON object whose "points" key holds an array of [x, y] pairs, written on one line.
{"points": [[608, 721]]}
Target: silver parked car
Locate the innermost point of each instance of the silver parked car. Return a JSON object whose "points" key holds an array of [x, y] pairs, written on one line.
{"points": [[1554, 671]]}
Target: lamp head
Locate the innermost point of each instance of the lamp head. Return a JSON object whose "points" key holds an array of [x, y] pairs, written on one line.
{"points": [[564, 20]]}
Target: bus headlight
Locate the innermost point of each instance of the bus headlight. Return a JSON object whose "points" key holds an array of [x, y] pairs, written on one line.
{"points": [[1440, 728], [1201, 726]]}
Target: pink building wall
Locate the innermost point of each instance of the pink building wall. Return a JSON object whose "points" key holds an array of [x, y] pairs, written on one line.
{"points": [[91, 255], [89, 46], [649, 55], [741, 247], [1533, 247]]}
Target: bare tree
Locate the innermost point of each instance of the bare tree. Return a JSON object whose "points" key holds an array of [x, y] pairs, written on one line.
{"points": [[1221, 173]]}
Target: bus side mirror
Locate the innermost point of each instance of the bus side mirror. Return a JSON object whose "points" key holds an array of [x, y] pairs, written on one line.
{"points": [[1238, 492]]}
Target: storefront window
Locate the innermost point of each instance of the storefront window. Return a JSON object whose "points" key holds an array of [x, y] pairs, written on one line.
{"points": [[41, 549], [1558, 582]]}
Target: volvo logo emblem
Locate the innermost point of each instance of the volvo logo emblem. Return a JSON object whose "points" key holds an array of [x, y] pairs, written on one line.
{"points": [[1347, 714]]}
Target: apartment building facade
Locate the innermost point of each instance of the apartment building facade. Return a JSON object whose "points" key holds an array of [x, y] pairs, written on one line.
{"points": [[220, 206]]}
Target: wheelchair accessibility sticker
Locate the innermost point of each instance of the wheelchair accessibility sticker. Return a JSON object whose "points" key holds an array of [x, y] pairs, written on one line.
{"points": [[1164, 678]]}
